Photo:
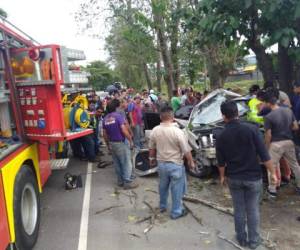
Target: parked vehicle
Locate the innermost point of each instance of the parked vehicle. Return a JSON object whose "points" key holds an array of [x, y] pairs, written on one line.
{"points": [[31, 125]]}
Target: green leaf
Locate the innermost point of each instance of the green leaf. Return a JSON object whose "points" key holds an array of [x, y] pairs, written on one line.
{"points": [[297, 11], [228, 30], [248, 3], [277, 35], [273, 7], [285, 41]]}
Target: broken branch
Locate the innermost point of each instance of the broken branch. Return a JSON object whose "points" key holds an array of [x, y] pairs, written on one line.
{"points": [[148, 229], [149, 206], [107, 209], [134, 235], [209, 204], [199, 220], [143, 219], [150, 190], [230, 242]]}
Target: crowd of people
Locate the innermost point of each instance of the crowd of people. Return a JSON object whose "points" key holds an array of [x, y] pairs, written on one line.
{"points": [[240, 144], [241, 147]]}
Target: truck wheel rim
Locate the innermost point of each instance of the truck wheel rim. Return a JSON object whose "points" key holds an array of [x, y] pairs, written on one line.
{"points": [[29, 209]]}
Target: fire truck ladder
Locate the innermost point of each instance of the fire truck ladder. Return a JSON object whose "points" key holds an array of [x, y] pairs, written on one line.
{"points": [[16, 38], [13, 37]]}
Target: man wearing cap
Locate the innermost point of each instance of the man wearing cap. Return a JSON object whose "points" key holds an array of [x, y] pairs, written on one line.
{"points": [[152, 96]]}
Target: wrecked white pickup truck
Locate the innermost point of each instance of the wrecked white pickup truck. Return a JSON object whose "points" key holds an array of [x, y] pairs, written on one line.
{"points": [[202, 128]]}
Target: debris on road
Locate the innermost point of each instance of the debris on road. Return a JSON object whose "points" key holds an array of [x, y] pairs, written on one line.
{"points": [[198, 219], [107, 209], [116, 193], [207, 242], [131, 218], [148, 229], [143, 219], [226, 210], [151, 190], [152, 218], [204, 233], [134, 235], [230, 242], [269, 244]]}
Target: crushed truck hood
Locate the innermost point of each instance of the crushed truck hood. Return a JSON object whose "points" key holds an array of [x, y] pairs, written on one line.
{"points": [[207, 112]]}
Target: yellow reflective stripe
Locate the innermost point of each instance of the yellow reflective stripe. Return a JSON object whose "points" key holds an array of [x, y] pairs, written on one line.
{"points": [[9, 173]]}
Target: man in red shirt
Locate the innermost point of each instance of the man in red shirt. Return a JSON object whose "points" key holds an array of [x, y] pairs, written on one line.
{"points": [[136, 118]]}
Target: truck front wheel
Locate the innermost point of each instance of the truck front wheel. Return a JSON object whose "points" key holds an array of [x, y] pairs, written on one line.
{"points": [[26, 209]]}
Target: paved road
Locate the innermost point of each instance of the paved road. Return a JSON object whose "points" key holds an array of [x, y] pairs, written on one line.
{"points": [[74, 220]]}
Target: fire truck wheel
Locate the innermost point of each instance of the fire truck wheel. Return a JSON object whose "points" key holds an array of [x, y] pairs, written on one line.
{"points": [[26, 209]]}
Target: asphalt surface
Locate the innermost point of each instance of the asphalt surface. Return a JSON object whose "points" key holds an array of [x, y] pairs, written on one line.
{"points": [[112, 214]]}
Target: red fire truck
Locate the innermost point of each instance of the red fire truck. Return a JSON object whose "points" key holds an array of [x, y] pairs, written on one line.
{"points": [[31, 122]]}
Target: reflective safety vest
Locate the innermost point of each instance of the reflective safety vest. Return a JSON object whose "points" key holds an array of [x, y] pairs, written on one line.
{"points": [[252, 114]]}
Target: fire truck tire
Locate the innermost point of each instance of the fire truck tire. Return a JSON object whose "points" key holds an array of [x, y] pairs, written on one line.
{"points": [[26, 209]]}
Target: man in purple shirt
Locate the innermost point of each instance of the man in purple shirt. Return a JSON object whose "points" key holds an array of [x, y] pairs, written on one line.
{"points": [[114, 132]]}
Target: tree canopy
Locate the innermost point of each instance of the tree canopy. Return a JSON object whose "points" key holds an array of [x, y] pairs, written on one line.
{"points": [[101, 75], [152, 42]]}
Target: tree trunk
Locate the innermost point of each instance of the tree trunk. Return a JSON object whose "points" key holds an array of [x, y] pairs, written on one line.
{"points": [[174, 44], [192, 77], [223, 78], [158, 19], [297, 72], [147, 76], [265, 65], [285, 65], [214, 76], [264, 61], [158, 73]]}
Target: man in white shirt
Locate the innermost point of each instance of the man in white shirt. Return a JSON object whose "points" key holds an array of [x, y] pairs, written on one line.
{"points": [[168, 145]]}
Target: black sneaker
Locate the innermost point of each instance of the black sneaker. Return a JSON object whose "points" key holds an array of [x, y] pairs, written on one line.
{"points": [[120, 184], [162, 210], [242, 243], [284, 182], [254, 245], [298, 190], [271, 194], [183, 214], [130, 185]]}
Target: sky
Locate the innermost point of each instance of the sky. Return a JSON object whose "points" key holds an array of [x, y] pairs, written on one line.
{"points": [[52, 22]]}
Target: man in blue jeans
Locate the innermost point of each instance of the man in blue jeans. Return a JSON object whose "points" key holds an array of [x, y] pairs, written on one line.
{"points": [[237, 147], [114, 132], [168, 145]]}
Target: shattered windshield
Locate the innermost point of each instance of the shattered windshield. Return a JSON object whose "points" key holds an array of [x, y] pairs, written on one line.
{"points": [[209, 111]]}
